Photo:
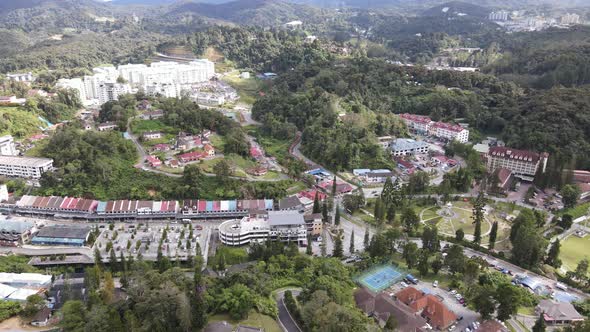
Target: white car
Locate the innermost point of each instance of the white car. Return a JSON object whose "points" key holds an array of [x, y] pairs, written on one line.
{"points": [[403, 284], [458, 296], [453, 292], [435, 283]]}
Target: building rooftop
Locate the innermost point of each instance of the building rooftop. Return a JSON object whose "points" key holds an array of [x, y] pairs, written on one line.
{"points": [[25, 161], [15, 226], [416, 118], [60, 231], [281, 218], [407, 144], [558, 310], [289, 203], [509, 153]]}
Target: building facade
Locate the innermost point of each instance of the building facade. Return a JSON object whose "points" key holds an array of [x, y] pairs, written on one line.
{"points": [[523, 164], [24, 167], [284, 226], [425, 126], [7, 147], [408, 146]]}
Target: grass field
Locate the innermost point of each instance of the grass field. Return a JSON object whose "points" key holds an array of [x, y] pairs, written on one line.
{"points": [[577, 211], [573, 250], [462, 219], [140, 126], [239, 165], [254, 319]]}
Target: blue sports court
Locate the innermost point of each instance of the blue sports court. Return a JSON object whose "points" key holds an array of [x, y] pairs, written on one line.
{"points": [[379, 278]]}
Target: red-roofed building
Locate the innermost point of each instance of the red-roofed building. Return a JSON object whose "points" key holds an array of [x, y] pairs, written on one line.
{"points": [[310, 194], [191, 156], [161, 147], [429, 307], [209, 150], [154, 161], [415, 122], [504, 177], [523, 164], [405, 165], [449, 131], [341, 188], [255, 152]]}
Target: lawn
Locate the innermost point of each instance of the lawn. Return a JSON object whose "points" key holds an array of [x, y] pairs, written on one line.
{"points": [[239, 165], [462, 219], [573, 250], [577, 211], [254, 319], [138, 127]]}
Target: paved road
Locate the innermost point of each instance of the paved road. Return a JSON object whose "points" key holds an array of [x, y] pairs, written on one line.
{"points": [[47, 251], [286, 321]]}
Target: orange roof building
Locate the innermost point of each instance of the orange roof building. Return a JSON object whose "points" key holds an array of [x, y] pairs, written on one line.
{"points": [[429, 306]]}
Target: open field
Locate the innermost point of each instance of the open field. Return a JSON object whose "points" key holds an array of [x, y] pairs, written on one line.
{"points": [[239, 165], [573, 250]]}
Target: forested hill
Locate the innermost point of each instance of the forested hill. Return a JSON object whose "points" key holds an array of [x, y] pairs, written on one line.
{"points": [[457, 8], [248, 12], [54, 15], [546, 58]]}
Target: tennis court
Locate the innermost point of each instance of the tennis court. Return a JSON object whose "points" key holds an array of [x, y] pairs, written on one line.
{"points": [[379, 278]]}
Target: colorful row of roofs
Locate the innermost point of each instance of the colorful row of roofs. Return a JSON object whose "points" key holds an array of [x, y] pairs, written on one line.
{"points": [[88, 206]]}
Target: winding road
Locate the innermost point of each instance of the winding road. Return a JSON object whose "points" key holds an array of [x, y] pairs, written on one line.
{"points": [[286, 321]]}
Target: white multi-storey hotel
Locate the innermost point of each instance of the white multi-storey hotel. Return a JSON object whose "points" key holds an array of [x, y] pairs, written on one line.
{"points": [[165, 78], [284, 226], [24, 167], [425, 126], [523, 164]]}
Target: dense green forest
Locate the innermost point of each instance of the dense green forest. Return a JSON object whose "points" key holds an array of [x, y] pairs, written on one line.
{"points": [[260, 49], [544, 59]]}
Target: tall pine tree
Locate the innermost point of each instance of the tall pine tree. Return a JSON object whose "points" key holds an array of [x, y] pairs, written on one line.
{"points": [[337, 217], [338, 248], [316, 204], [553, 254], [366, 239], [478, 206], [351, 247], [493, 235]]}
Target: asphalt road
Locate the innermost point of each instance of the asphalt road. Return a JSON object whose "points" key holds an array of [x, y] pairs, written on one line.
{"points": [[286, 321]]}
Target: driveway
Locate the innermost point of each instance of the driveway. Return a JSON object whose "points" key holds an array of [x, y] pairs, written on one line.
{"points": [[287, 322]]}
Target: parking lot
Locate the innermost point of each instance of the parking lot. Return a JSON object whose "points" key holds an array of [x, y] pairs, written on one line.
{"points": [[449, 299], [133, 239]]}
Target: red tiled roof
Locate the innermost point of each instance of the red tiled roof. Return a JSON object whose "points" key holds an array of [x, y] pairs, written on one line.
{"points": [[196, 155], [311, 194], [415, 118], [448, 126], [432, 308], [509, 153]]}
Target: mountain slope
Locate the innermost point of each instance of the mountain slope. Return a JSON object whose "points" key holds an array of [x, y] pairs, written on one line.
{"points": [[251, 12]]}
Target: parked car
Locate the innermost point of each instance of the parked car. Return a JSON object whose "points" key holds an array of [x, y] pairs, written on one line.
{"points": [[435, 283]]}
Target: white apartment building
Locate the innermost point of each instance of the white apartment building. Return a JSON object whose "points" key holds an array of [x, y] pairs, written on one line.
{"points": [[449, 131], [570, 19], [21, 77], [160, 78], [425, 126], [523, 164], [284, 226], [498, 16], [418, 123], [110, 91], [73, 83], [7, 147], [24, 167]]}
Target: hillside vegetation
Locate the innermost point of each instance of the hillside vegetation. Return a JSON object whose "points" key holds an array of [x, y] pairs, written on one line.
{"points": [[18, 123]]}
